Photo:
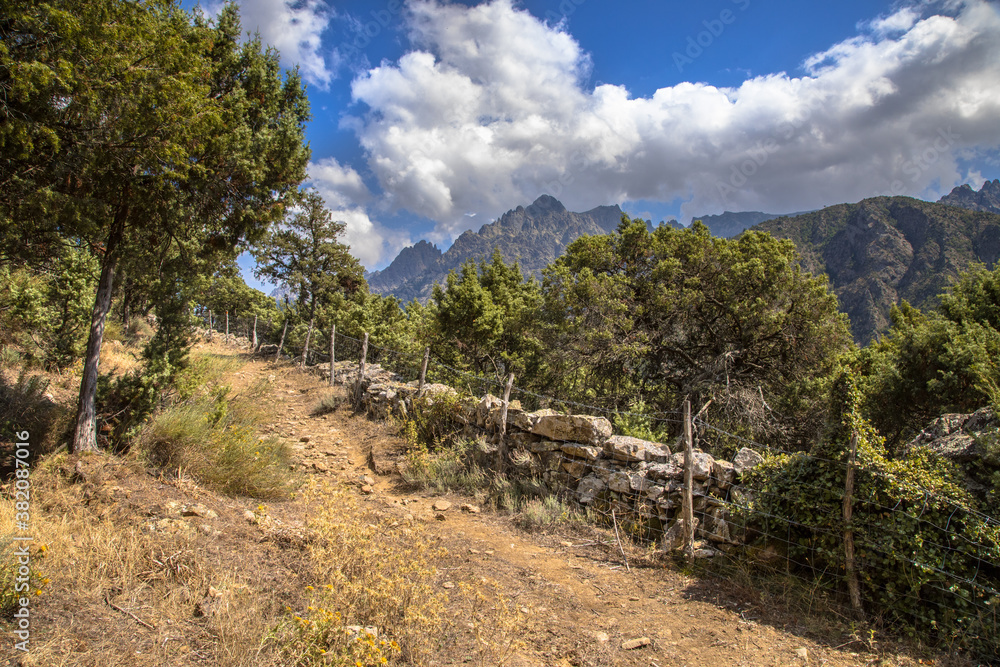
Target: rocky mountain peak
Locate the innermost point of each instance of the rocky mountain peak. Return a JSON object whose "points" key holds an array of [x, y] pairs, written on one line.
{"points": [[885, 249], [532, 235], [545, 204], [987, 199]]}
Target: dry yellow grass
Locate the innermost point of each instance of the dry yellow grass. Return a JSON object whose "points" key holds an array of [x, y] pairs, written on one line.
{"points": [[374, 598], [118, 593]]}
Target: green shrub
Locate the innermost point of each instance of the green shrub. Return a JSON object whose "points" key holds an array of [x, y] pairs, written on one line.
{"points": [[24, 406], [137, 331], [638, 424], [926, 558], [434, 419], [452, 468], [537, 513], [47, 311]]}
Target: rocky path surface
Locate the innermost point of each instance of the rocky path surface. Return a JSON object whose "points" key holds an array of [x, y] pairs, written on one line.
{"points": [[580, 604]]}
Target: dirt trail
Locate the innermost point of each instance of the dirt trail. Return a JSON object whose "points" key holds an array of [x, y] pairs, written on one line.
{"points": [[580, 604]]}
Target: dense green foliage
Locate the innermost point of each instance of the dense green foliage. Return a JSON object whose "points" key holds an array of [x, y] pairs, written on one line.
{"points": [[45, 309], [639, 320], [484, 320], [658, 316], [937, 362], [927, 559]]}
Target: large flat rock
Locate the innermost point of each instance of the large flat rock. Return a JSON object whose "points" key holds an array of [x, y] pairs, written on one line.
{"points": [[631, 450], [573, 428]]}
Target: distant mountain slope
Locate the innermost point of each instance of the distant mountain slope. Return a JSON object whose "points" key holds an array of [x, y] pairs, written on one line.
{"points": [[533, 235], [729, 224], [987, 199], [885, 249]]}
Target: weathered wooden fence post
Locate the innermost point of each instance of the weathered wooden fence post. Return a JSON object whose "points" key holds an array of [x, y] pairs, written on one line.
{"points": [[688, 501], [253, 345], [502, 445], [361, 368], [277, 355], [423, 371], [333, 355], [305, 350], [851, 572]]}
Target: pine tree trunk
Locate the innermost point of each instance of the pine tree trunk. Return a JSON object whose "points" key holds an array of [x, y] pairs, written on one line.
{"points": [[85, 432]]}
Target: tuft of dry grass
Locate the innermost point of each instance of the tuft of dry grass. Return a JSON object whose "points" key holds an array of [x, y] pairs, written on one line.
{"points": [[329, 403], [450, 469], [212, 437]]}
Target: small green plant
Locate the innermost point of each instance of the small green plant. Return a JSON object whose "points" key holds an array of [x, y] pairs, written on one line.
{"points": [[449, 469], [434, 419], [137, 331], [327, 404], [638, 424], [9, 356], [538, 513]]}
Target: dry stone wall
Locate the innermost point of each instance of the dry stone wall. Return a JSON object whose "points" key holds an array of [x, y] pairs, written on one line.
{"points": [[581, 458]]}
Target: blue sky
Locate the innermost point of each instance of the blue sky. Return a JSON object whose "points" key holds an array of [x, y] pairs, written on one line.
{"points": [[433, 117]]}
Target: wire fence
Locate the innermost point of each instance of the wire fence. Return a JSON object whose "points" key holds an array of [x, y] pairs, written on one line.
{"points": [[919, 553]]}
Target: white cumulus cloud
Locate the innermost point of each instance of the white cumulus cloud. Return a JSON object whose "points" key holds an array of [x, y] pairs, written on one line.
{"points": [[346, 195], [490, 109], [295, 28], [341, 185]]}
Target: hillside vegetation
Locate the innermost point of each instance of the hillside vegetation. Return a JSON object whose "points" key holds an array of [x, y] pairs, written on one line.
{"points": [[881, 251]]}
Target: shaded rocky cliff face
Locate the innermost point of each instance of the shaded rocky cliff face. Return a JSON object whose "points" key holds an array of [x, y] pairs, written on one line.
{"points": [[410, 264], [885, 249], [533, 236], [987, 199], [729, 224]]}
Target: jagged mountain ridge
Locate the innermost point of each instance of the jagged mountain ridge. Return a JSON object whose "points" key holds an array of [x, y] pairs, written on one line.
{"points": [[875, 253], [534, 236], [987, 199], [885, 249]]}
